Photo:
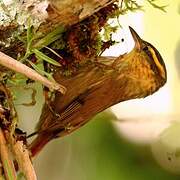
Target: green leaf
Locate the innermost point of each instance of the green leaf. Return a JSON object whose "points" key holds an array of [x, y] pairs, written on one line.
{"points": [[49, 38], [44, 57], [132, 6], [153, 4], [40, 71], [29, 34], [9, 170]]}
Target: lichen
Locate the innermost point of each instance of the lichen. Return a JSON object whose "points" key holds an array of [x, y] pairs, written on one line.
{"points": [[22, 14]]}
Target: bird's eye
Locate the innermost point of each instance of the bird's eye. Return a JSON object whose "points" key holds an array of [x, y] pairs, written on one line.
{"points": [[145, 48]]}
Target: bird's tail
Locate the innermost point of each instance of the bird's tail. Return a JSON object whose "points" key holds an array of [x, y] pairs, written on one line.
{"points": [[38, 143]]}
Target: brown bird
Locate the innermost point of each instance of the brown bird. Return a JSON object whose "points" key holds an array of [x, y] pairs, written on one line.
{"points": [[93, 89]]}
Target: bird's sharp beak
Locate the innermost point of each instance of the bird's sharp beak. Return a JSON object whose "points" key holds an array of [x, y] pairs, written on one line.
{"points": [[137, 39]]}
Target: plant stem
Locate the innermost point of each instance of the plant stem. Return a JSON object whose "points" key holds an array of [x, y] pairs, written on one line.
{"points": [[25, 165], [17, 66], [7, 163]]}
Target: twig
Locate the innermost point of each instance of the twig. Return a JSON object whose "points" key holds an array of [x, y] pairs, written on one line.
{"points": [[7, 163], [17, 66], [121, 4], [24, 162], [10, 104]]}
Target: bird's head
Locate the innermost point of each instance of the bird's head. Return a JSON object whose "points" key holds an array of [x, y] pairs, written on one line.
{"points": [[153, 56]]}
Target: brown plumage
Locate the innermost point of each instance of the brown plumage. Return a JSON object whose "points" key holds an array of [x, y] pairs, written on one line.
{"points": [[93, 89]]}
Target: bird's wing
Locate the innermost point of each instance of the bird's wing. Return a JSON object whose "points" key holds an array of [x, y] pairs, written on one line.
{"points": [[73, 107]]}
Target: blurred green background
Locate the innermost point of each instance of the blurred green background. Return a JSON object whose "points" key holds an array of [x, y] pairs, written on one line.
{"points": [[97, 152], [143, 144]]}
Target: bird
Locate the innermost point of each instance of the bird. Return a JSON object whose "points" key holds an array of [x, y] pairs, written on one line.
{"points": [[94, 88]]}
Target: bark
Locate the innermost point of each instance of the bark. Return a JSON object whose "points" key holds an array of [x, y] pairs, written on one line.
{"points": [[63, 13], [69, 12]]}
